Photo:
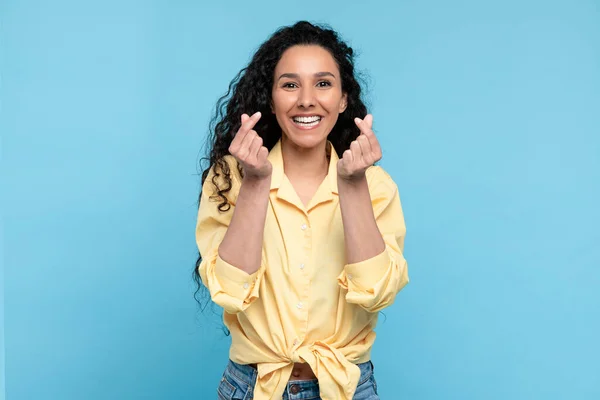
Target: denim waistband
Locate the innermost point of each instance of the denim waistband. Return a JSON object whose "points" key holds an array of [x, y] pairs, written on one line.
{"points": [[296, 389]]}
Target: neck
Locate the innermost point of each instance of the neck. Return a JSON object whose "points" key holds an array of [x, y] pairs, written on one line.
{"points": [[299, 162]]}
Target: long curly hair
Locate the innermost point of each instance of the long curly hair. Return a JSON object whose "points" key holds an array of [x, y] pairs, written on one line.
{"points": [[250, 91]]}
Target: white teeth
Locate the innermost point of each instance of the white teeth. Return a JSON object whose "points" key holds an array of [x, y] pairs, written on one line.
{"points": [[307, 119]]}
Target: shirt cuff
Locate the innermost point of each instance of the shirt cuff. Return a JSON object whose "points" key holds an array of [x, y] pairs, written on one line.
{"points": [[364, 275], [234, 281]]}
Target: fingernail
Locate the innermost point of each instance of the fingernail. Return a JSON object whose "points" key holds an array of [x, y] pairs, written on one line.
{"points": [[256, 114], [357, 120]]}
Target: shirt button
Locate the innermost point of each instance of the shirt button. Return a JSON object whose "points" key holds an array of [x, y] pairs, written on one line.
{"points": [[303, 227], [350, 276], [295, 342], [300, 305], [246, 285], [302, 266]]}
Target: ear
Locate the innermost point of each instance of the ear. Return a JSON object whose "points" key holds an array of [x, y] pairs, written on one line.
{"points": [[344, 103]]}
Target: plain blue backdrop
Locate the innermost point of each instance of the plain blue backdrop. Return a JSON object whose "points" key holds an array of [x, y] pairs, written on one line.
{"points": [[488, 112]]}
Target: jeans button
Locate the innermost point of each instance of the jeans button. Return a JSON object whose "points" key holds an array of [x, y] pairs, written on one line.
{"points": [[294, 389]]}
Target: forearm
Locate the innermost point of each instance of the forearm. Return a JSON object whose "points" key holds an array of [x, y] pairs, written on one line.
{"points": [[242, 244], [362, 236]]}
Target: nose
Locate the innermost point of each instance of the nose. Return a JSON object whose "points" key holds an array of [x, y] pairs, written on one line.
{"points": [[306, 97]]}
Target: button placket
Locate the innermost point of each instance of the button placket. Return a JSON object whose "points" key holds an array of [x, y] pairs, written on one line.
{"points": [[304, 284], [307, 238]]}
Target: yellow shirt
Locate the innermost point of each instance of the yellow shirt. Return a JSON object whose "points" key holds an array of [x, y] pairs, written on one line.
{"points": [[304, 304]]}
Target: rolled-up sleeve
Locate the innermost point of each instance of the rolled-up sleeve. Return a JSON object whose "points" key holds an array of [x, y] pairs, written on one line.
{"points": [[229, 286], [374, 283]]}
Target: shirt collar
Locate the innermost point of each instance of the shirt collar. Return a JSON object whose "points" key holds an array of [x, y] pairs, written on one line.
{"points": [[276, 159]]}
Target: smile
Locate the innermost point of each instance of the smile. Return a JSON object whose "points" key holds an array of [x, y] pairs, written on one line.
{"points": [[306, 123]]}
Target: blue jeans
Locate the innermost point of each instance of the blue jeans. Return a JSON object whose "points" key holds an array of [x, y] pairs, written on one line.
{"points": [[238, 383]]}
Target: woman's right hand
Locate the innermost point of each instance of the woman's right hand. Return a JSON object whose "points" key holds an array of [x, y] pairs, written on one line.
{"points": [[247, 147]]}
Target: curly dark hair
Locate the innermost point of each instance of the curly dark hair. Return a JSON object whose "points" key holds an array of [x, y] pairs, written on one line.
{"points": [[251, 90]]}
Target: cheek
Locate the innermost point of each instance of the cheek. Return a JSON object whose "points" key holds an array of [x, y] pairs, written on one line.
{"points": [[282, 101], [330, 100]]}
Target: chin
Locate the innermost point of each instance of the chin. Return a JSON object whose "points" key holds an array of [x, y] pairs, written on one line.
{"points": [[306, 139]]}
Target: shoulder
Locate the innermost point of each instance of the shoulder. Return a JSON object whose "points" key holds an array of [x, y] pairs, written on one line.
{"points": [[380, 182], [384, 193], [231, 163], [226, 167]]}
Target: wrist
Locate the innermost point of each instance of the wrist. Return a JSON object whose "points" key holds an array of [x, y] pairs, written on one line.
{"points": [[256, 181], [356, 180]]}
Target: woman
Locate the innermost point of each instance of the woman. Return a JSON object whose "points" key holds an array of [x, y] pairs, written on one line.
{"points": [[301, 247]]}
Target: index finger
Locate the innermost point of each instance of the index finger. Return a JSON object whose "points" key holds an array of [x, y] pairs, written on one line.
{"points": [[369, 120], [247, 125], [365, 125]]}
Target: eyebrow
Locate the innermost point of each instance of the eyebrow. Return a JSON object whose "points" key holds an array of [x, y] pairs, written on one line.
{"points": [[296, 76]]}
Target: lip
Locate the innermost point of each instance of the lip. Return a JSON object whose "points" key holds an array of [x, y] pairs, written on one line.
{"points": [[306, 128]]}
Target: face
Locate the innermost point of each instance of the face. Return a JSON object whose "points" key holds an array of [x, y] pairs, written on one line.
{"points": [[307, 85]]}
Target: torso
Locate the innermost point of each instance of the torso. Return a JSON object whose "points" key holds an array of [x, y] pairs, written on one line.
{"points": [[302, 372], [305, 191]]}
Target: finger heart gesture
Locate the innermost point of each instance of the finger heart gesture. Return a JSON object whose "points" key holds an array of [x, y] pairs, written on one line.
{"points": [[363, 152], [247, 147]]}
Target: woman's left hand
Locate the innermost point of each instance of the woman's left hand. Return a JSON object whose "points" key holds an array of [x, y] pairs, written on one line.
{"points": [[363, 152]]}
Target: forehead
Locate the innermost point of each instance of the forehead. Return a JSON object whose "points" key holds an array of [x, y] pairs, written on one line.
{"points": [[307, 60]]}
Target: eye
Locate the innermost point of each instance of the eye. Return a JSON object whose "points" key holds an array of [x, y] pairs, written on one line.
{"points": [[290, 85]]}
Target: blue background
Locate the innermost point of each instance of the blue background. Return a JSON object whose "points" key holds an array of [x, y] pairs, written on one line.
{"points": [[488, 113]]}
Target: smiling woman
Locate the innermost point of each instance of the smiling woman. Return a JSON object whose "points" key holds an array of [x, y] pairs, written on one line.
{"points": [[300, 235], [305, 100]]}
